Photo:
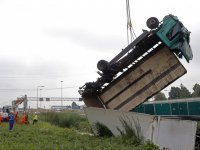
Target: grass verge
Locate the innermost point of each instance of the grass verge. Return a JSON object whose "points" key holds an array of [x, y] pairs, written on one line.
{"points": [[45, 136]]}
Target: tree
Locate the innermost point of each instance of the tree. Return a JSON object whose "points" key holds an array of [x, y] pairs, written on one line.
{"points": [[181, 92], [184, 92], [160, 96], [174, 93], [196, 89]]}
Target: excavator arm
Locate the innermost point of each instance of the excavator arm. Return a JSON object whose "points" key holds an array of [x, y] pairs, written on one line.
{"points": [[17, 102]]}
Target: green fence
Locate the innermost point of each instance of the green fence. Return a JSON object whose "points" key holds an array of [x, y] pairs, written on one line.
{"points": [[169, 108], [194, 108]]}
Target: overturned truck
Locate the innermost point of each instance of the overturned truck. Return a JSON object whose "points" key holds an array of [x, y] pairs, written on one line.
{"points": [[143, 68]]}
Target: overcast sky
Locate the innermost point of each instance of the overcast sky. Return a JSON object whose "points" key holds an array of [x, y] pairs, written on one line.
{"points": [[43, 42]]}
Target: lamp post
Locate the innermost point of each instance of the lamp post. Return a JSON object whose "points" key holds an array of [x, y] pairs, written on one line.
{"points": [[40, 97], [168, 93], [61, 93], [37, 94]]}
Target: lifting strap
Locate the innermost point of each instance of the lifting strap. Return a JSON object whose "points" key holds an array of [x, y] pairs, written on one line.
{"points": [[130, 31]]}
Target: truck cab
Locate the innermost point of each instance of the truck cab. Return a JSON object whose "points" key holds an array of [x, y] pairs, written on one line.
{"points": [[176, 37]]}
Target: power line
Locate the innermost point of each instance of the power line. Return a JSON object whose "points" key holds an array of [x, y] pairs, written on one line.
{"points": [[11, 90], [50, 77]]}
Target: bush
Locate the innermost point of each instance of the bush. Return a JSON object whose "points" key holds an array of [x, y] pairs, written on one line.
{"points": [[63, 119], [102, 130], [150, 146]]}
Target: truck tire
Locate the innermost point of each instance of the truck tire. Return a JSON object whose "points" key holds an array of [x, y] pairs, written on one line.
{"points": [[152, 23], [102, 65]]}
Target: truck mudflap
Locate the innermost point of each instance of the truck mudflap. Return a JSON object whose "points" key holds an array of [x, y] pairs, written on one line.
{"points": [[150, 75]]}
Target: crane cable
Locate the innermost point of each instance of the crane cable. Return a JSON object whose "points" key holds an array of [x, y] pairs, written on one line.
{"points": [[129, 24]]}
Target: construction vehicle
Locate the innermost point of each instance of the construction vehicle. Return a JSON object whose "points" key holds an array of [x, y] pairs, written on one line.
{"points": [[143, 68], [5, 112], [15, 103]]}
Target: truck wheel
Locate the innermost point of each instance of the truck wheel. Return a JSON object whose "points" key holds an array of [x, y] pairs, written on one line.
{"points": [[102, 65], [152, 23]]}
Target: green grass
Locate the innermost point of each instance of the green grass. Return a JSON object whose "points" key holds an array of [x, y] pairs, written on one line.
{"points": [[48, 136]]}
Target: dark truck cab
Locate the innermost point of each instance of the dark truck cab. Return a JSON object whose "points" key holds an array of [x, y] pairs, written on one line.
{"points": [[176, 37]]}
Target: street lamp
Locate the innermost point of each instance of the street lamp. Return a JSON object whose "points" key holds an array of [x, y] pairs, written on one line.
{"points": [[61, 93], [168, 93], [40, 99], [37, 94]]}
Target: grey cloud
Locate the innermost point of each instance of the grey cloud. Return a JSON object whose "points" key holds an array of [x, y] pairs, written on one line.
{"points": [[38, 69], [88, 40], [194, 42], [17, 74]]}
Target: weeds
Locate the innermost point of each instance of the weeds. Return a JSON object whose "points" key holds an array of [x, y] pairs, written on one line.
{"points": [[198, 127], [150, 146], [131, 134], [84, 127], [66, 120], [102, 130]]}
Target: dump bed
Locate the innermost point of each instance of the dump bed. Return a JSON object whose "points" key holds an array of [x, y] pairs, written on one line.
{"points": [[153, 73]]}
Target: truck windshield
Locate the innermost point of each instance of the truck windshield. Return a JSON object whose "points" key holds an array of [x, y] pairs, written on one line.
{"points": [[173, 32]]}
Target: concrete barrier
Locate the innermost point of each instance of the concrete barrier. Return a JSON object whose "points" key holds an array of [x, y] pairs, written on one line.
{"points": [[166, 133]]}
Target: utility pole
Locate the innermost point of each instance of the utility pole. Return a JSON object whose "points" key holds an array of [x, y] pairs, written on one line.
{"points": [[40, 99], [61, 93], [37, 94]]}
